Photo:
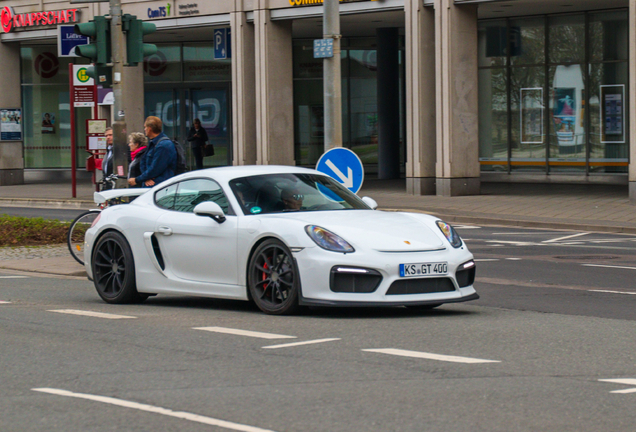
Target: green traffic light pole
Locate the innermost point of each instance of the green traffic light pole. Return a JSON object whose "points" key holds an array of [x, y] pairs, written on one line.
{"points": [[120, 148]]}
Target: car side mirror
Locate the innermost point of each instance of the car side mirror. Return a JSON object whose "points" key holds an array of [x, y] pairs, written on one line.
{"points": [[210, 209], [370, 202]]}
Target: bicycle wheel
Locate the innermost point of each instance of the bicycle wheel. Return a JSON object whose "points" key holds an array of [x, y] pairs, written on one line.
{"points": [[75, 237]]}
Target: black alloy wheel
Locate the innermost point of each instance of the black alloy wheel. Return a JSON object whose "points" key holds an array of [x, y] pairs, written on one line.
{"points": [[273, 278], [114, 270]]}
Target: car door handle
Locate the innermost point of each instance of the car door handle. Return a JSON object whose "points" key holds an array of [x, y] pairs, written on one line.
{"points": [[165, 230]]}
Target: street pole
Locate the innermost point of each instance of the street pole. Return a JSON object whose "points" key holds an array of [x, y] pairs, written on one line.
{"points": [[120, 147], [332, 76]]}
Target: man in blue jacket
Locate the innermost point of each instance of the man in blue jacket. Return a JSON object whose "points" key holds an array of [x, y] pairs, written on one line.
{"points": [[160, 161]]}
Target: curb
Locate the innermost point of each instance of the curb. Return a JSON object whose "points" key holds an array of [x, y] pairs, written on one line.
{"points": [[70, 204]]}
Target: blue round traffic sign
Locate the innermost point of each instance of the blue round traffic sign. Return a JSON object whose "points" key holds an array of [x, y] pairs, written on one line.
{"points": [[344, 166]]}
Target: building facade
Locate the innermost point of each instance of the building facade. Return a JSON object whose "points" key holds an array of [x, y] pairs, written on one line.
{"points": [[445, 93]]}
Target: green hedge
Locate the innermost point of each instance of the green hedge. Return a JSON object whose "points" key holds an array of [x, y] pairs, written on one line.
{"points": [[24, 231]]}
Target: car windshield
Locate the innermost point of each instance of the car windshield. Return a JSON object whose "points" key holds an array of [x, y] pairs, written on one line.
{"points": [[277, 193]]}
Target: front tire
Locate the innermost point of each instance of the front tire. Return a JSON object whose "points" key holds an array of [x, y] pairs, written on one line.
{"points": [[273, 278], [114, 270]]}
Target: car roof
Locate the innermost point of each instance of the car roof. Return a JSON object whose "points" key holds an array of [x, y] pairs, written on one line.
{"points": [[232, 172]]}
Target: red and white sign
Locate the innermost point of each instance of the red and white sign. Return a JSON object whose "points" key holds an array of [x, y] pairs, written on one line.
{"points": [[9, 20]]}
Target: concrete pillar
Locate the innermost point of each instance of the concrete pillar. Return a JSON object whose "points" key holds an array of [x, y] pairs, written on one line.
{"points": [[243, 88], [388, 41], [420, 100], [457, 168], [632, 101], [11, 160], [133, 98], [274, 89]]}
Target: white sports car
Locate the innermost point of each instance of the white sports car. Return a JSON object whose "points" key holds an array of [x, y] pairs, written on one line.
{"points": [[278, 235]]}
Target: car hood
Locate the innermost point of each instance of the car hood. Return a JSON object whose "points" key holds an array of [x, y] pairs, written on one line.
{"points": [[378, 230]]}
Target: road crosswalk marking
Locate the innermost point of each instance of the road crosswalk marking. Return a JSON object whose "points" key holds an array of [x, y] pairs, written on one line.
{"points": [[429, 356], [154, 409], [293, 344], [240, 332], [627, 381], [91, 314]]}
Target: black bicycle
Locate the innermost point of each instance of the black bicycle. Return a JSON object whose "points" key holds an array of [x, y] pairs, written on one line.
{"points": [[79, 226]]}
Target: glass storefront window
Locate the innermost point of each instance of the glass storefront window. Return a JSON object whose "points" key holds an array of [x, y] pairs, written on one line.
{"points": [[527, 41], [493, 120], [608, 31], [363, 103], [567, 39], [45, 104], [572, 120], [493, 43], [527, 128], [164, 66], [199, 64]]}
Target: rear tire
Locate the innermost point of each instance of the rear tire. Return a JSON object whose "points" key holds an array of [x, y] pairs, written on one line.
{"points": [[76, 233], [114, 270], [273, 278]]}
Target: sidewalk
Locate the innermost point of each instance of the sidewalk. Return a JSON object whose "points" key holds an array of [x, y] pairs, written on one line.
{"points": [[594, 208]]}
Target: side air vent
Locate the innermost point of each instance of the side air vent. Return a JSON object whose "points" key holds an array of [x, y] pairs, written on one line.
{"points": [[157, 250]]}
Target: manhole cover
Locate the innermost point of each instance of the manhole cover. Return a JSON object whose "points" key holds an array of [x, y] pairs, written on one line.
{"points": [[586, 257]]}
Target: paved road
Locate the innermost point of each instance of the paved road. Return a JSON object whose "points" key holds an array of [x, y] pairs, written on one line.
{"points": [[531, 354]]}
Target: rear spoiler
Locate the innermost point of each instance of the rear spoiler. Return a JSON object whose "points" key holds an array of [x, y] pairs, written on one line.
{"points": [[103, 196]]}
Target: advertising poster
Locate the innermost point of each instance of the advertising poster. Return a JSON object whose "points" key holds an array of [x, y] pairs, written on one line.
{"points": [[532, 116], [48, 123], [11, 124], [612, 113], [564, 115]]}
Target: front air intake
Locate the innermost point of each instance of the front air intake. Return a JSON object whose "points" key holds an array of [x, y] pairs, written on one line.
{"points": [[354, 280]]}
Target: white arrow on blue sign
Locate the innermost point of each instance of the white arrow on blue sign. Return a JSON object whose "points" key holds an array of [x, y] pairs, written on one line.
{"points": [[344, 166]]}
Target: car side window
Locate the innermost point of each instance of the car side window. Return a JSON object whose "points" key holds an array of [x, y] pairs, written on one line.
{"points": [[165, 198], [196, 191]]}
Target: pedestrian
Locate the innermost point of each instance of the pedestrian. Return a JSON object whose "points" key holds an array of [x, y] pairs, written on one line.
{"points": [[160, 161], [138, 145], [198, 138], [107, 162]]}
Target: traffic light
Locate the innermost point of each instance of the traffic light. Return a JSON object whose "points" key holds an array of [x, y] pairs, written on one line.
{"points": [[103, 75], [135, 30], [98, 30]]}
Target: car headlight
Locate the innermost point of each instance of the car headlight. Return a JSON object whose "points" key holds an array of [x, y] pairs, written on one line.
{"points": [[450, 233], [328, 240]]}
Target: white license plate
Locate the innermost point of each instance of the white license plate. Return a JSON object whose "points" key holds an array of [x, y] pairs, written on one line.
{"points": [[423, 269]]}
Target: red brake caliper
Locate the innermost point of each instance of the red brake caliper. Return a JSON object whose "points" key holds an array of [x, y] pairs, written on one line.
{"points": [[265, 277]]}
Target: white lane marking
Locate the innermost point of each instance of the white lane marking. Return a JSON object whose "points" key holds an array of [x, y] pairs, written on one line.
{"points": [[573, 243], [609, 266], [466, 227], [627, 381], [239, 332], [516, 243], [513, 259], [565, 238], [293, 344], [14, 277], [4, 302], [154, 409], [430, 356], [91, 314], [486, 260], [613, 292]]}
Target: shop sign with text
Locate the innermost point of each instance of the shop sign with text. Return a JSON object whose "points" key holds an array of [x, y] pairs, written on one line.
{"points": [[9, 20]]}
